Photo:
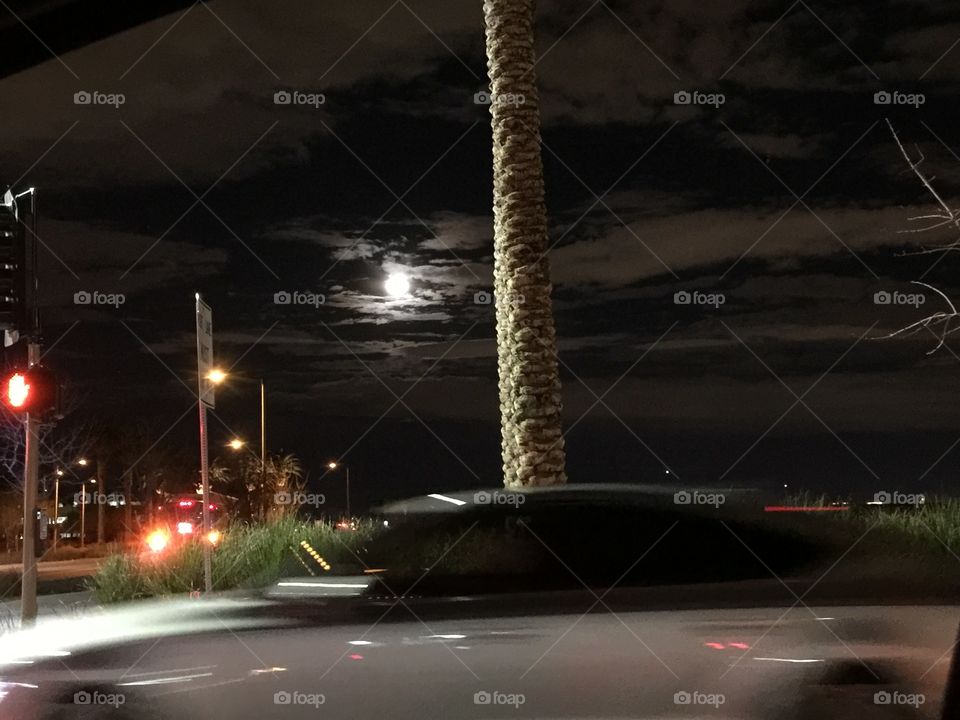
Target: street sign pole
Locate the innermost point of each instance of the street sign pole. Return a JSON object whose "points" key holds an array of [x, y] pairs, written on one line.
{"points": [[205, 399]]}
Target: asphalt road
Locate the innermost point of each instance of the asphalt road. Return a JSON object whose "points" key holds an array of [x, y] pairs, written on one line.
{"points": [[765, 663], [58, 569]]}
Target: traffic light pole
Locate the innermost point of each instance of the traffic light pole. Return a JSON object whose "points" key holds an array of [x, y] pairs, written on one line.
{"points": [[28, 582]]}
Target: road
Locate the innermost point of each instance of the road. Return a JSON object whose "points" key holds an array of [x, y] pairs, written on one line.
{"points": [[58, 569], [230, 658]]}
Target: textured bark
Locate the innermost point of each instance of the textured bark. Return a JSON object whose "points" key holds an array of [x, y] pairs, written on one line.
{"points": [[530, 403]]}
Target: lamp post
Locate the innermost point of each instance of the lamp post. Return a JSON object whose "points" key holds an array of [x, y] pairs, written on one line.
{"points": [[56, 507], [83, 508], [220, 376], [333, 465]]}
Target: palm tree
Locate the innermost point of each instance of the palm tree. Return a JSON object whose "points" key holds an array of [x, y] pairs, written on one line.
{"points": [[530, 402]]}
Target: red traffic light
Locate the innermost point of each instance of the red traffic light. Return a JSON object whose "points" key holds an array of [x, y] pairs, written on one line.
{"points": [[33, 390], [18, 391]]}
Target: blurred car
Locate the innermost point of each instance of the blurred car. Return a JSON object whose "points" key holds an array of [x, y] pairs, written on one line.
{"points": [[634, 605]]}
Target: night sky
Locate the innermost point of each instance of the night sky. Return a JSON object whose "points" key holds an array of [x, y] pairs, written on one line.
{"points": [[790, 199]]}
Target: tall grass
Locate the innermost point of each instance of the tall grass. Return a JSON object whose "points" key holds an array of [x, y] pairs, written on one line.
{"points": [[928, 529], [248, 556]]}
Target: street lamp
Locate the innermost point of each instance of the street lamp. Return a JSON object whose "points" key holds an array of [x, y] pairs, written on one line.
{"points": [[56, 507], [333, 465], [83, 510], [217, 376]]}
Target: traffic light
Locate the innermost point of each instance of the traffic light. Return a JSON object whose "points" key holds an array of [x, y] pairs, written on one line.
{"points": [[13, 269], [34, 390]]}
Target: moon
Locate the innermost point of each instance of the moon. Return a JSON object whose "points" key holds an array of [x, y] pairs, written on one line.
{"points": [[397, 284]]}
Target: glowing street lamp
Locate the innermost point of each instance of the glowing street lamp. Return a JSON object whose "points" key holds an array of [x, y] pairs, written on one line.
{"points": [[236, 444], [216, 376]]}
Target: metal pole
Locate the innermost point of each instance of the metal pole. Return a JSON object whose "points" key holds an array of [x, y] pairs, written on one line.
{"points": [[101, 499], [83, 513], [56, 510], [263, 446], [205, 479], [349, 516], [28, 583]]}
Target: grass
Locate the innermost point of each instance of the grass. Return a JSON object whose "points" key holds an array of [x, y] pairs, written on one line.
{"points": [[930, 529], [248, 556], [253, 556]]}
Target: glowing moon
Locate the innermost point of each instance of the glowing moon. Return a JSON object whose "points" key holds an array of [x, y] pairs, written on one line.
{"points": [[397, 285]]}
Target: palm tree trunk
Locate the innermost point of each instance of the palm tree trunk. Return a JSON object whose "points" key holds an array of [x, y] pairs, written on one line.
{"points": [[530, 402]]}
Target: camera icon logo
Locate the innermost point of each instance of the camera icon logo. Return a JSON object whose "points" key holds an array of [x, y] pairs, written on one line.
{"points": [[82, 98], [82, 698], [882, 697], [282, 97], [682, 297], [481, 98], [682, 698], [282, 298], [282, 697], [82, 298], [882, 97], [282, 498], [482, 498], [882, 297], [882, 497], [482, 697], [682, 97], [682, 498], [482, 298]]}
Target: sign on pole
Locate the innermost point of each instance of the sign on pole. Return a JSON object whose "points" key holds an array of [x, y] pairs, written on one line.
{"points": [[205, 352]]}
